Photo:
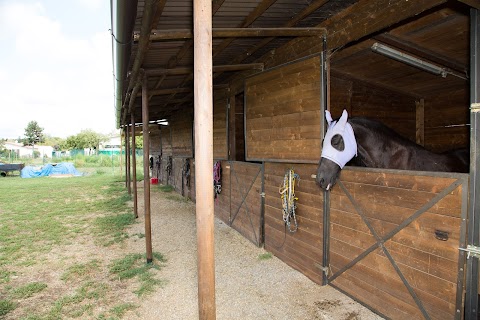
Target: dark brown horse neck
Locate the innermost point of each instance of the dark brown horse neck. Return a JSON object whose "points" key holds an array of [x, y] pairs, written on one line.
{"points": [[381, 147]]}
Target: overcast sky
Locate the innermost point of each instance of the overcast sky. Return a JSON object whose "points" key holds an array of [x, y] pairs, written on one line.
{"points": [[55, 66]]}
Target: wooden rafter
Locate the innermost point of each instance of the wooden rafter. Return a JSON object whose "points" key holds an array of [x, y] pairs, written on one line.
{"points": [[189, 70]]}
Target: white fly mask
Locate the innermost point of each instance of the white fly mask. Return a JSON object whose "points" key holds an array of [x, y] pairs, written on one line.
{"points": [[343, 128]]}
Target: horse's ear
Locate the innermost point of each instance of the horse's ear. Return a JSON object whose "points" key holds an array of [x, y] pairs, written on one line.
{"points": [[343, 119], [328, 117]]}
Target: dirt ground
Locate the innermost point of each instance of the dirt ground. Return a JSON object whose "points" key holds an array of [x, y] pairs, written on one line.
{"points": [[246, 286]]}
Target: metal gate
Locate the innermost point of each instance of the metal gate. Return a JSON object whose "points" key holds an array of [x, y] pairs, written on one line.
{"points": [[394, 239], [246, 201]]}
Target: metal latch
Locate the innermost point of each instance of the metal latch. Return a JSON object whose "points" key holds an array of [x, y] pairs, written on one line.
{"points": [[471, 251]]}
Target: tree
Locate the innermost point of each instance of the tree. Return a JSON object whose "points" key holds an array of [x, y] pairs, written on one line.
{"points": [[85, 139], [33, 134]]}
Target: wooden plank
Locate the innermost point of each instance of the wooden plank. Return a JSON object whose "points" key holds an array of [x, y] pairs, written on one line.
{"points": [[420, 122]]}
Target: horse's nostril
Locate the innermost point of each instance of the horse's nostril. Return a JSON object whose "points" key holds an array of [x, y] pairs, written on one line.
{"points": [[322, 181]]}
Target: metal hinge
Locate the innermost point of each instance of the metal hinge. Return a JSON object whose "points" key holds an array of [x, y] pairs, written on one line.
{"points": [[472, 251]]}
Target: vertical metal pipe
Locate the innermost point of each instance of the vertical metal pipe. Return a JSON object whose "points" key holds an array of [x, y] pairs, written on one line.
{"points": [[471, 302], [326, 194], [127, 156], [146, 169], [203, 97], [134, 168]]}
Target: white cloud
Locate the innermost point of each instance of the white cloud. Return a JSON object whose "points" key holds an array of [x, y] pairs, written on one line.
{"points": [[63, 82]]}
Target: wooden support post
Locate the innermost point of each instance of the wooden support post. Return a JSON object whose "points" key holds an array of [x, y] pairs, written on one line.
{"points": [[203, 97], [420, 122], [146, 170], [127, 156], [134, 168]]}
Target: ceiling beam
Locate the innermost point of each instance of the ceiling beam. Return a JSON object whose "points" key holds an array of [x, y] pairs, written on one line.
{"points": [[421, 52], [179, 34], [161, 92], [472, 3], [189, 70]]}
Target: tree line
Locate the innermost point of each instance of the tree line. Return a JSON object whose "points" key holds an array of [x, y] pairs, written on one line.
{"points": [[86, 139]]}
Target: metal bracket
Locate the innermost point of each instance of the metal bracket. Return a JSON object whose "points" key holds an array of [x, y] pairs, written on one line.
{"points": [[262, 194], [471, 251]]}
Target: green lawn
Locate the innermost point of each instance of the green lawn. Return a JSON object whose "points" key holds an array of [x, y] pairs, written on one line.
{"points": [[57, 228]]}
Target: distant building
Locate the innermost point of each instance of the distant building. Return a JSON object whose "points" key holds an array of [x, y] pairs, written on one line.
{"points": [[112, 146], [26, 151]]}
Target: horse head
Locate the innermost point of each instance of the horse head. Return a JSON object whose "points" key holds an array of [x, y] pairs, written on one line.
{"points": [[339, 147]]}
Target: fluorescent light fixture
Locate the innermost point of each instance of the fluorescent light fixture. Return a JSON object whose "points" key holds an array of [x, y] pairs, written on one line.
{"points": [[408, 59]]}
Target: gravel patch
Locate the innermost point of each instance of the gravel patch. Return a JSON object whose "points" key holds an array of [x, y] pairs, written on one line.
{"points": [[246, 287]]}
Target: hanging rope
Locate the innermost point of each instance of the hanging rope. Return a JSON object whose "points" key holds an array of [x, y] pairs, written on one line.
{"points": [[289, 201], [217, 178], [186, 171], [168, 168]]}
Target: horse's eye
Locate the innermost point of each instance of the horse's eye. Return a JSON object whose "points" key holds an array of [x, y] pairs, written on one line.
{"points": [[338, 143]]}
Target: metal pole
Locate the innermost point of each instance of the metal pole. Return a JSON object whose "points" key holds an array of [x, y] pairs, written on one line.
{"points": [[146, 167], [127, 162], [203, 97], [471, 302], [134, 168], [326, 194]]}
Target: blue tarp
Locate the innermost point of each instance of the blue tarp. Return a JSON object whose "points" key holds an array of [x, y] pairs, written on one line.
{"points": [[49, 169]]}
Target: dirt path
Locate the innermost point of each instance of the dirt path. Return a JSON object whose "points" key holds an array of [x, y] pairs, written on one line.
{"points": [[246, 287]]}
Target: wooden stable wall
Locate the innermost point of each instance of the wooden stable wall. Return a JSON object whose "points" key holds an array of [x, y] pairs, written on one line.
{"points": [[446, 121], [181, 127], [220, 133], [363, 100], [282, 113], [301, 250], [370, 209]]}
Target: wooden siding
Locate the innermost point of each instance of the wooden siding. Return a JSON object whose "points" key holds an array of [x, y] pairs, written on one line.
{"points": [[301, 250], [446, 119], [220, 134], [283, 113], [363, 100], [182, 135], [155, 140], [166, 136], [429, 265]]}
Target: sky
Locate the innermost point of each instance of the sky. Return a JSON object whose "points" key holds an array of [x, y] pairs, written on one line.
{"points": [[56, 67]]}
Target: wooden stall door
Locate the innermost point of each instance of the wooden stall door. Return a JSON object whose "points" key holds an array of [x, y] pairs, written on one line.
{"points": [[394, 239], [246, 204]]}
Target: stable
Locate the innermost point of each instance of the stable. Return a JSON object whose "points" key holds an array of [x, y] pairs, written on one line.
{"points": [[230, 97]]}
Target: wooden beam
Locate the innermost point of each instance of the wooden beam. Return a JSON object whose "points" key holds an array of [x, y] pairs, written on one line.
{"points": [[179, 34], [423, 53], [472, 3], [420, 122], [189, 70], [300, 16], [257, 12], [127, 162], [160, 92], [203, 92], [357, 21], [146, 171]]}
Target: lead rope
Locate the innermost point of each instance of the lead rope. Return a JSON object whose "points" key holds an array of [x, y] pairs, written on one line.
{"points": [[289, 201], [217, 178]]}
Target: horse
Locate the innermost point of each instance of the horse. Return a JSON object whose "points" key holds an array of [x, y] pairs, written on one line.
{"points": [[368, 143]]}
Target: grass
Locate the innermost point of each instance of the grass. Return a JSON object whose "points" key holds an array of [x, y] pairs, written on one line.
{"points": [[41, 216], [133, 265], [265, 256], [165, 188]]}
